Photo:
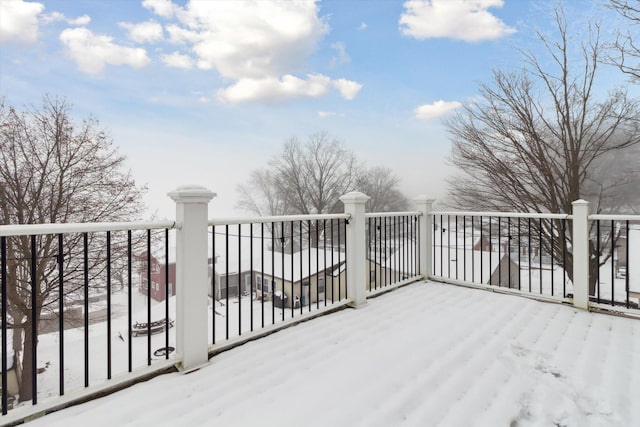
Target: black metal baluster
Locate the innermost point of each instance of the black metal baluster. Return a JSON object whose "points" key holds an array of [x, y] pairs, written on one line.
{"points": [[149, 297], [449, 246], [3, 272], [251, 273], [108, 305], [239, 279], [490, 249], [262, 271], [564, 258], [540, 251], [434, 245], [380, 259], [371, 258], [456, 234], [628, 264], [499, 251], [317, 267], [85, 239], [481, 252], [519, 255], [552, 244], [598, 261], [129, 302], [292, 272], [282, 265], [332, 264], [473, 249], [529, 251], [167, 293], [464, 248], [613, 233], [60, 311], [301, 273], [509, 250], [324, 234], [272, 285], [309, 242], [226, 279], [346, 288], [339, 265], [213, 284]]}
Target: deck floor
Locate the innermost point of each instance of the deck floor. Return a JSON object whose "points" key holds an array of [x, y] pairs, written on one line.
{"points": [[427, 354]]}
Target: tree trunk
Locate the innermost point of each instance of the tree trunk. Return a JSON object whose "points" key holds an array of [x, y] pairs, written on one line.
{"points": [[26, 384]]}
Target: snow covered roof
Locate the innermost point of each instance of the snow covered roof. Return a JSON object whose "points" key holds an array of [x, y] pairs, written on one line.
{"points": [[504, 360], [312, 260]]}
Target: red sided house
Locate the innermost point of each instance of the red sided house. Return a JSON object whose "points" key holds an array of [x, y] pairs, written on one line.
{"points": [[158, 274]]}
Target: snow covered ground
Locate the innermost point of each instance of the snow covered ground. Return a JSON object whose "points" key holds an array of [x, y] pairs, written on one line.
{"points": [[426, 354]]}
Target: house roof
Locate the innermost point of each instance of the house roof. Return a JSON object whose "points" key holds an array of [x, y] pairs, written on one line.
{"points": [[504, 360], [273, 262]]}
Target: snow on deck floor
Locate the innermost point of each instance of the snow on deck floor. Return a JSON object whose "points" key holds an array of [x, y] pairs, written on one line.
{"points": [[424, 355]]}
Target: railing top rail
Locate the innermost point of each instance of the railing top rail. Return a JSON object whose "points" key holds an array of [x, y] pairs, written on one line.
{"points": [[39, 229], [503, 214], [282, 218], [390, 214], [596, 217]]}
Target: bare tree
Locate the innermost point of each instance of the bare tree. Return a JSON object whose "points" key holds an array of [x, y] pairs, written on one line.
{"points": [[381, 185], [626, 51], [55, 170], [309, 178], [539, 139]]}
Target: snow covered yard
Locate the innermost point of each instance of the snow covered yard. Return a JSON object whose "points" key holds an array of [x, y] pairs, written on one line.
{"points": [[426, 354]]}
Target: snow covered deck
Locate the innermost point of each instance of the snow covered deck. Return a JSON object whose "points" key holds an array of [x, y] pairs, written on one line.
{"points": [[426, 354]]}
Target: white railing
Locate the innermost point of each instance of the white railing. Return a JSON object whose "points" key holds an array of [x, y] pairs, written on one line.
{"points": [[564, 247], [363, 243], [191, 249]]}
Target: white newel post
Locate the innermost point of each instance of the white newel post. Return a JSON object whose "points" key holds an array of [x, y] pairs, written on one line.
{"points": [[357, 274], [581, 254], [191, 274], [424, 205]]}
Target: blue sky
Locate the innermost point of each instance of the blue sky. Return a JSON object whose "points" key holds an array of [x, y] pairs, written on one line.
{"points": [[205, 91]]}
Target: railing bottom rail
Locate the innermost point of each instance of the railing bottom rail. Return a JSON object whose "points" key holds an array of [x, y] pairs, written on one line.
{"points": [[502, 290]]}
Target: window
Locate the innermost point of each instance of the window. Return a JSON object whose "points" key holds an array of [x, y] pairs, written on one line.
{"points": [[321, 285]]}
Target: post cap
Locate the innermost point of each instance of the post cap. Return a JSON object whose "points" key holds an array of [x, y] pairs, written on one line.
{"points": [[354, 197], [192, 193]]}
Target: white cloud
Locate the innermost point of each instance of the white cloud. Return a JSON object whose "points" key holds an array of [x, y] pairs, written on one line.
{"points": [[80, 21], [57, 16], [19, 21], [178, 60], [464, 20], [257, 45], [93, 52], [143, 32], [362, 26], [52, 17], [348, 88], [254, 39], [343, 57], [436, 110], [273, 89], [164, 8]]}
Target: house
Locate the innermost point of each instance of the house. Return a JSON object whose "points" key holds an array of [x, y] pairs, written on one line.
{"points": [[158, 277], [294, 278], [506, 274]]}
